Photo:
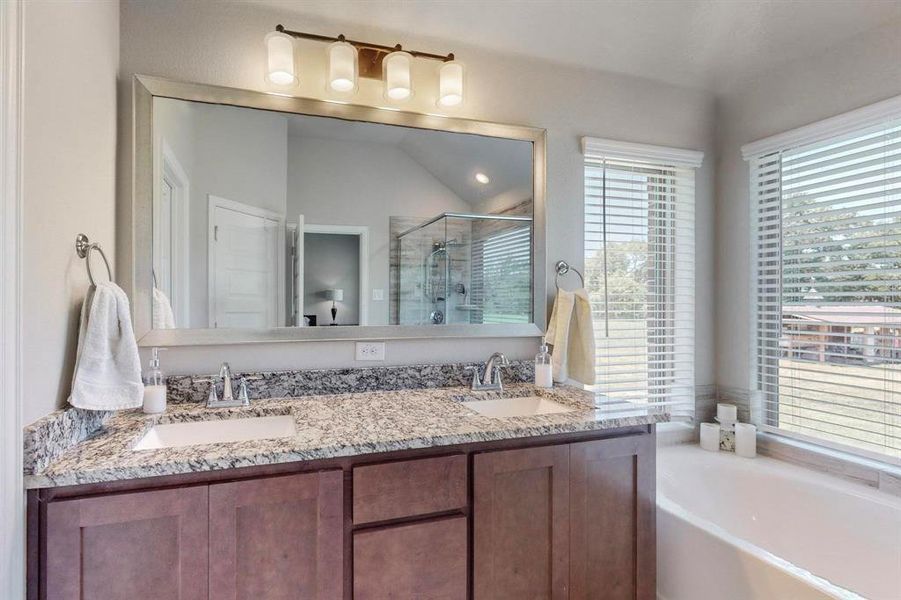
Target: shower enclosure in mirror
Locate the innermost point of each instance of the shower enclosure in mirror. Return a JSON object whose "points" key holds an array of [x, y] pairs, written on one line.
{"points": [[463, 268], [280, 218]]}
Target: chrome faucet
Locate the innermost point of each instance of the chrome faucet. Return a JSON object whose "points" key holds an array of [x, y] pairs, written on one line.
{"points": [[225, 374], [228, 392], [491, 380]]}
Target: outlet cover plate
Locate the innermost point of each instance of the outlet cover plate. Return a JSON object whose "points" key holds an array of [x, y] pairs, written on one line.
{"points": [[370, 351]]}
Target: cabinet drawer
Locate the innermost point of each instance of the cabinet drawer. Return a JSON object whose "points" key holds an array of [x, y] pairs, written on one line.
{"points": [[422, 560], [409, 488]]}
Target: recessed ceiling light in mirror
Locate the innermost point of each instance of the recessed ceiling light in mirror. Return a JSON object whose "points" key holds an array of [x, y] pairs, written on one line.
{"points": [[482, 178]]}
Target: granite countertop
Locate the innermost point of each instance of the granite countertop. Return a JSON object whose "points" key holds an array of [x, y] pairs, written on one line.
{"points": [[328, 426]]}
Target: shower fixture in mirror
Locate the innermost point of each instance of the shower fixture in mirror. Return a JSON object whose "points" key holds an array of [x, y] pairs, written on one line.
{"points": [[267, 218]]}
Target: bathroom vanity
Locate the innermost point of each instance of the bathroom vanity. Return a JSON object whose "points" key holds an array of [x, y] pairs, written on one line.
{"points": [[252, 211], [386, 494]]}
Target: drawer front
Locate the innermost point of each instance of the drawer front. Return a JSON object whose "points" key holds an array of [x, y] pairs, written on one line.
{"points": [[409, 488], [422, 560]]}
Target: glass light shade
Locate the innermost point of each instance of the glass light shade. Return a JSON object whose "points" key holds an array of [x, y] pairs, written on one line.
{"points": [[280, 58], [342, 67], [450, 83], [398, 81]]}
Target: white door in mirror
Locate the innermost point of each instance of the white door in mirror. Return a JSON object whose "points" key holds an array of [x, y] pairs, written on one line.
{"points": [[246, 263], [179, 435]]}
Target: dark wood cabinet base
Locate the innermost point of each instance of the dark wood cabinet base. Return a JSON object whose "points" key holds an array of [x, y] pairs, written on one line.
{"points": [[563, 516]]}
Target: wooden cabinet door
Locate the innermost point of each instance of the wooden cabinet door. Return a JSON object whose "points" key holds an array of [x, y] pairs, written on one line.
{"points": [[134, 546], [425, 560], [612, 495], [277, 538], [521, 524]]}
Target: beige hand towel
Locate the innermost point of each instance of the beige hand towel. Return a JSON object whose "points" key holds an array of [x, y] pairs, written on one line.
{"points": [[571, 332], [107, 367]]}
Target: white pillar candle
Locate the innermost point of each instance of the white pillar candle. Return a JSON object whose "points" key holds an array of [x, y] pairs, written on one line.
{"points": [[746, 440], [726, 413], [710, 437]]}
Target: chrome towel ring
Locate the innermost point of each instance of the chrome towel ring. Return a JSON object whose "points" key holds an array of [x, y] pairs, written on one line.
{"points": [[83, 247], [562, 268]]}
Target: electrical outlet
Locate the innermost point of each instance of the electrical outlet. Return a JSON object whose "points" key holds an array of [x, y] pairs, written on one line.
{"points": [[370, 350], [378, 295]]}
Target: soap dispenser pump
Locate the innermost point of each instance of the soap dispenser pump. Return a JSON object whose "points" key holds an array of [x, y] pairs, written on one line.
{"points": [[154, 385], [544, 376]]}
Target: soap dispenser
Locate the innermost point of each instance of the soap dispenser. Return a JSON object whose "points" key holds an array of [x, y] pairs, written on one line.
{"points": [[154, 385], [544, 377]]}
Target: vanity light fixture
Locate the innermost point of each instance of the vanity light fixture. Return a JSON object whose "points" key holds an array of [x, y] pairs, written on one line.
{"points": [[350, 59], [342, 66], [482, 178], [398, 80], [280, 58], [450, 83]]}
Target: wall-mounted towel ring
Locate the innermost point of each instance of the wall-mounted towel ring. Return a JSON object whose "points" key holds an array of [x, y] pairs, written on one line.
{"points": [[83, 247], [562, 268]]}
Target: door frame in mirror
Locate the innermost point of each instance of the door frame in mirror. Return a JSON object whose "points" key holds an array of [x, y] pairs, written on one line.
{"points": [[139, 283]]}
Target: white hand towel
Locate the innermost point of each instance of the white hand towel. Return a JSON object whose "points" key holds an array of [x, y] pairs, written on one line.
{"points": [[163, 318], [107, 366], [571, 332]]}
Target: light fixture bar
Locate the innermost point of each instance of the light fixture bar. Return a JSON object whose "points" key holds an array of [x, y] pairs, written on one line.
{"points": [[363, 45]]}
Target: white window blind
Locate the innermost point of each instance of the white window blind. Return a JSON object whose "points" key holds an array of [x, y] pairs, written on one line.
{"points": [[828, 288], [640, 276], [505, 275]]}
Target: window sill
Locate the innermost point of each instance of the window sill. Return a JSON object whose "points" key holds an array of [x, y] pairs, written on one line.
{"points": [[882, 476], [676, 432]]}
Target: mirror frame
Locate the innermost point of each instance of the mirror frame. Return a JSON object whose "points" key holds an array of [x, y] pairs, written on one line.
{"points": [[146, 88]]}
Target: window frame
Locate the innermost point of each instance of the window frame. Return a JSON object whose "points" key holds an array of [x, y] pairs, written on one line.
{"points": [[849, 123], [677, 163]]}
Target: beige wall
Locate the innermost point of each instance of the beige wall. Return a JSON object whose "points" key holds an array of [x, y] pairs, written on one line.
{"points": [[71, 57], [854, 74], [221, 43]]}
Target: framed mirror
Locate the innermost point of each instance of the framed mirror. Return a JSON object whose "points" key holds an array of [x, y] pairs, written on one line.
{"points": [[260, 217]]}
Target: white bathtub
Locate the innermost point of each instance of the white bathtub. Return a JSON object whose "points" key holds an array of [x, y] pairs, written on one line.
{"points": [[736, 528]]}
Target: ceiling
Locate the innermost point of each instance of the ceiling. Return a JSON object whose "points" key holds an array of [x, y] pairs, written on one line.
{"points": [[695, 43]]}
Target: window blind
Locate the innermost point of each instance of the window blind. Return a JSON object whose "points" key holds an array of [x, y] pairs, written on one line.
{"points": [[640, 277], [828, 289], [502, 274]]}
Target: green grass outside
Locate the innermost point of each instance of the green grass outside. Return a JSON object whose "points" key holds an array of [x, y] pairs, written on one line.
{"points": [[859, 406]]}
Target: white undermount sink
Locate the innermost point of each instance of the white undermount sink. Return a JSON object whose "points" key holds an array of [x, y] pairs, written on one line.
{"points": [[179, 435], [525, 406]]}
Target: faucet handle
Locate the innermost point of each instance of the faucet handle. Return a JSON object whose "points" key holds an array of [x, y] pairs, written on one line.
{"points": [[242, 392], [475, 374], [214, 396]]}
